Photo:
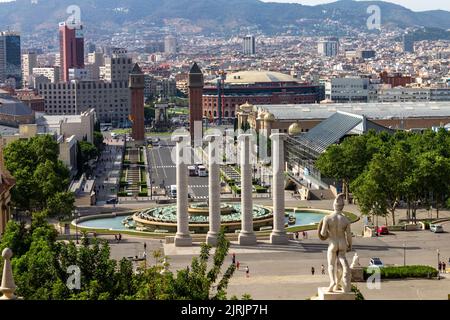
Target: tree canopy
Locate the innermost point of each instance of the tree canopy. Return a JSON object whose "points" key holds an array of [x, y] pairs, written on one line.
{"points": [[383, 171], [39, 174]]}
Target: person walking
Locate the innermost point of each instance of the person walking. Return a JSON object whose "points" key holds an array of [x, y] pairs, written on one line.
{"points": [[237, 265], [440, 266], [444, 267], [323, 269], [247, 271], [145, 246], [313, 270], [233, 258]]}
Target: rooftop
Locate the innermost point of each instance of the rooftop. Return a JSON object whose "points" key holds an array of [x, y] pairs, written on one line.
{"points": [[251, 77], [393, 110]]}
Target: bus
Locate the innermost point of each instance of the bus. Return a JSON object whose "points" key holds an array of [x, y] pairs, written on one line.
{"points": [[202, 171], [192, 171]]}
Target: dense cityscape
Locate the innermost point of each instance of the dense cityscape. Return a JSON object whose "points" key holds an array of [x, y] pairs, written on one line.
{"points": [[133, 149]]}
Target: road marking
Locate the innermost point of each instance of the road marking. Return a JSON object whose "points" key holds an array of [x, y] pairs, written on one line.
{"points": [[160, 158], [198, 186], [154, 162]]}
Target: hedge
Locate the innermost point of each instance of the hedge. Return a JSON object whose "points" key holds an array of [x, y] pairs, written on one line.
{"points": [[403, 272]]}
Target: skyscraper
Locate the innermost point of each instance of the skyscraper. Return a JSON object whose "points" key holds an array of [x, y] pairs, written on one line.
{"points": [[328, 48], [170, 45], [408, 43], [249, 45], [71, 42], [195, 84], [29, 61], [10, 57], [137, 85]]}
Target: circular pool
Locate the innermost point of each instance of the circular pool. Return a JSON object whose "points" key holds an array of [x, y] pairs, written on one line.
{"points": [[163, 219]]}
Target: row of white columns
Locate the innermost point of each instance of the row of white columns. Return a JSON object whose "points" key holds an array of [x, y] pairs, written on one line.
{"points": [[247, 235]]}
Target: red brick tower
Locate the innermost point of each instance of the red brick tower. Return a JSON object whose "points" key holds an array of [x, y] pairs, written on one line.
{"points": [[136, 85], [195, 100]]}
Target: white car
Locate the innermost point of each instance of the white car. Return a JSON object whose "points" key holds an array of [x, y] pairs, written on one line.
{"points": [[376, 262], [436, 228]]}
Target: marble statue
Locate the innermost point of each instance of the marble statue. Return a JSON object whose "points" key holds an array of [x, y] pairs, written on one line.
{"points": [[336, 229], [355, 262]]}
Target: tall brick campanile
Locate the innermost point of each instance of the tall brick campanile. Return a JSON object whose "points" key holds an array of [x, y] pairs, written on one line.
{"points": [[136, 85], [195, 85]]}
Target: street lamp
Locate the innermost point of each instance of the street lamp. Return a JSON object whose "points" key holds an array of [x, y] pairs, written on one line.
{"points": [[76, 215], [404, 254], [439, 261]]}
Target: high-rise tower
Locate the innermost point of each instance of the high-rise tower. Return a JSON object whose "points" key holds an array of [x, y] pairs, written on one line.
{"points": [[137, 85], [71, 43], [195, 85], [10, 57]]}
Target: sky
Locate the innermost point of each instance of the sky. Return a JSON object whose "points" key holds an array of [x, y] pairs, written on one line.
{"points": [[416, 5]]}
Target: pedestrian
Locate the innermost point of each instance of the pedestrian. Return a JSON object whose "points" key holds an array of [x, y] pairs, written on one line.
{"points": [[247, 271], [237, 265], [296, 235], [120, 237], [115, 237], [440, 266], [306, 234], [323, 269], [444, 269], [234, 258], [313, 270], [145, 246]]}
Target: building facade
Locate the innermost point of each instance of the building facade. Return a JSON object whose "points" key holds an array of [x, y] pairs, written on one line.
{"points": [[71, 41], [257, 87], [343, 90], [29, 61], [328, 48], [10, 58], [249, 45], [111, 100]]}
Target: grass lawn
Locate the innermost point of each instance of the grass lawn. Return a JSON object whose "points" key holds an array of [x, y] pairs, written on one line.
{"points": [[121, 131]]}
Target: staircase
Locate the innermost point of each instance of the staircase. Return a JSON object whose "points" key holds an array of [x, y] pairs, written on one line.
{"points": [[321, 195]]}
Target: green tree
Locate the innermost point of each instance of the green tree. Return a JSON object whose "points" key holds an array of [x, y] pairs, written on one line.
{"points": [[61, 204], [38, 172]]}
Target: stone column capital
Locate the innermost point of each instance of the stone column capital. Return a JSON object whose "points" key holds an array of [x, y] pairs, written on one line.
{"points": [[244, 136], [178, 138], [211, 137], [278, 136]]}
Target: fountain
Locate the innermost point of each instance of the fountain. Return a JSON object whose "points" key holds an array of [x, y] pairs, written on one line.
{"points": [[164, 218]]}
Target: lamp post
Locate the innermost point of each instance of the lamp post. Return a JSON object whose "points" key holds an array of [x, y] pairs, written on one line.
{"points": [[76, 215], [404, 254], [439, 260]]}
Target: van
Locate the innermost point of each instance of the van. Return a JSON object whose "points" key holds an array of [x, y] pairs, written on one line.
{"points": [[173, 191], [202, 171]]}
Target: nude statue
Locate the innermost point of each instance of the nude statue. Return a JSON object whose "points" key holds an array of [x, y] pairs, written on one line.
{"points": [[336, 228]]}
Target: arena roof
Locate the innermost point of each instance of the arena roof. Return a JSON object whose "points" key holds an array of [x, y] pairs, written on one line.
{"points": [[372, 111], [251, 77]]}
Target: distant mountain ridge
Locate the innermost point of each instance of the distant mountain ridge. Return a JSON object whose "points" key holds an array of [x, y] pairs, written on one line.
{"points": [[211, 16]]}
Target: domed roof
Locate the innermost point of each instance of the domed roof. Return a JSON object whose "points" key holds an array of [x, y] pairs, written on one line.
{"points": [[247, 107], [295, 129], [269, 117], [261, 114], [251, 77]]}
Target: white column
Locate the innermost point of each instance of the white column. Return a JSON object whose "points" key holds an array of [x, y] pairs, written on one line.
{"points": [[214, 189], [247, 235], [7, 286], [278, 235], [183, 237]]}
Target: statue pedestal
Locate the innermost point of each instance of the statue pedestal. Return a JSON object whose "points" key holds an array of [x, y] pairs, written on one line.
{"points": [[324, 295], [357, 274]]}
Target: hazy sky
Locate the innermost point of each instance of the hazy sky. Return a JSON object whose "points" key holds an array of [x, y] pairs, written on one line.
{"points": [[417, 5]]}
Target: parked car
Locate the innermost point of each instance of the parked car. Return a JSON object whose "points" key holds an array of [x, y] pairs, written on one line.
{"points": [[383, 230], [436, 228], [111, 201], [376, 262]]}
